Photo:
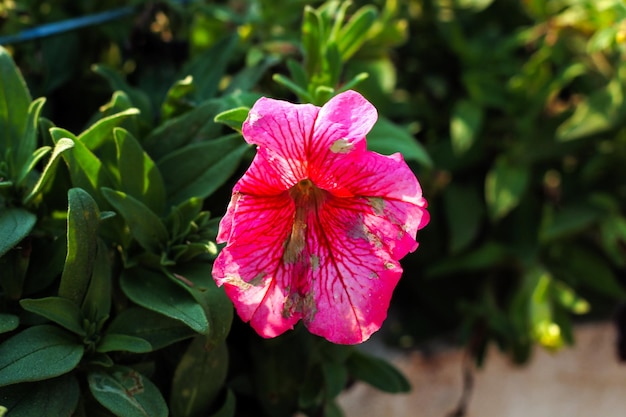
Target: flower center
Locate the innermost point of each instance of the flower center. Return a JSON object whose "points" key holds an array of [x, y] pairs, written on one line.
{"points": [[307, 198], [306, 194]]}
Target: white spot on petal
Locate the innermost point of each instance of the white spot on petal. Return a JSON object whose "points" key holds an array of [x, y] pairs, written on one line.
{"points": [[341, 146], [254, 117]]}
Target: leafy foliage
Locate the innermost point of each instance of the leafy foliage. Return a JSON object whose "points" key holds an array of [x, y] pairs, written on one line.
{"points": [[112, 187]]}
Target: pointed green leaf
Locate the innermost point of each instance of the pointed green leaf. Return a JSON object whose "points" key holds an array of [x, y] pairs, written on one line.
{"points": [[233, 118], [8, 322], [387, 138], [14, 102], [199, 169], [28, 142], [86, 170], [139, 98], [127, 393], [139, 175], [123, 343], [175, 101], [49, 171], [100, 131], [156, 292], [30, 163], [198, 379], [37, 353], [145, 226], [53, 397], [15, 225], [354, 34], [57, 309], [505, 185], [157, 329], [376, 372], [83, 217]]}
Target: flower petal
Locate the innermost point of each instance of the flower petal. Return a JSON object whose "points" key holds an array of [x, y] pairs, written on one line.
{"points": [[352, 278], [340, 129], [282, 130], [250, 266]]}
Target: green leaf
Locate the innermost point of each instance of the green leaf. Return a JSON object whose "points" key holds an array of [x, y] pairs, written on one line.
{"points": [[193, 126], [247, 78], [465, 124], [199, 169], [505, 185], [228, 409], [83, 217], [582, 266], [127, 393], [99, 132], [138, 97], [31, 163], [157, 329], [86, 170], [15, 225], [474, 5], [175, 102], [233, 118], [196, 278], [49, 171], [14, 103], [312, 40], [57, 309], [598, 112], [145, 226], [8, 322], [485, 256], [180, 219], [567, 220], [208, 68], [156, 292], [97, 301], [53, 397], [332, 409], [198, 379], [354, 34], [387, 138], [376, 372], [335, 378], [28, 143], [37, 353], [464, 212], [139, 176], [123, 343]]}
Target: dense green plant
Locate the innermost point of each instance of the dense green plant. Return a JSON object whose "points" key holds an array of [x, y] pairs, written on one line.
{"points": [[108, 305], [511, 112]]}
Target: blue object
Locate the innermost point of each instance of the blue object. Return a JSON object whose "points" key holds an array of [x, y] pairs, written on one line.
{"points": [[55, 28]]}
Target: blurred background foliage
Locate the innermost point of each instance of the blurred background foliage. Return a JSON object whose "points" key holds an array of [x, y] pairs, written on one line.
{"points": [[511, 113]]}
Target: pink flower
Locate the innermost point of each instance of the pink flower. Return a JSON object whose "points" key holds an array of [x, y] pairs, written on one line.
{"points": [[316, 226]]}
